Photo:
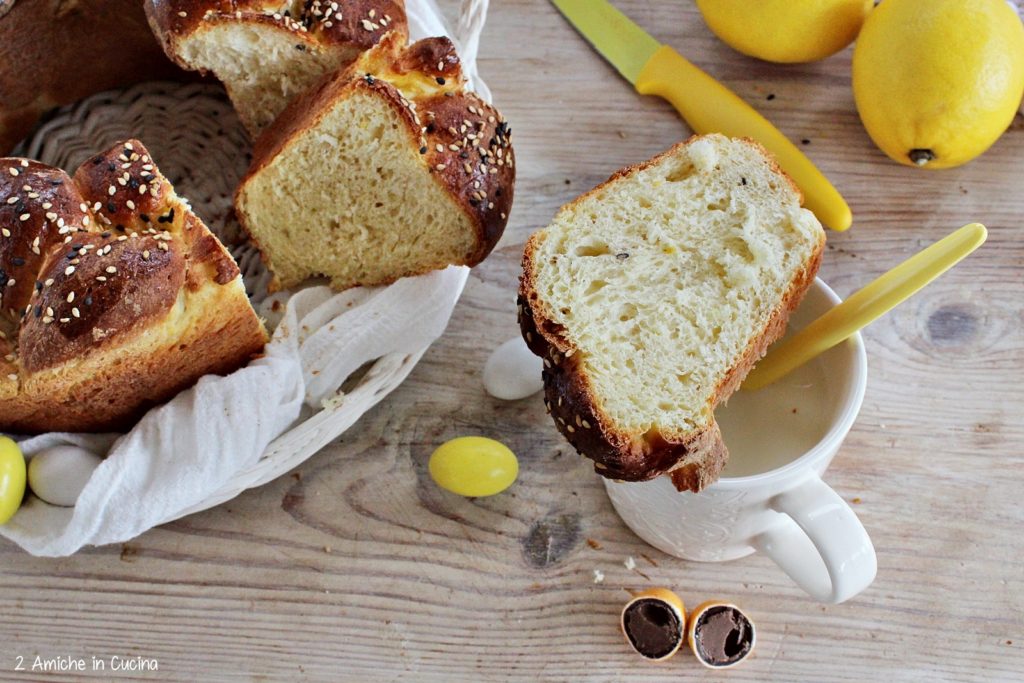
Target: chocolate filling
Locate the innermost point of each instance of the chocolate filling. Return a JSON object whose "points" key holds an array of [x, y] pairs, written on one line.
{"points": [[723, 635], [653, 627]]}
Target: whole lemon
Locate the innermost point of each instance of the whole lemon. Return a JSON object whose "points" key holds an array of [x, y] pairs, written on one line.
{"points": [[786, 31], [938, 81]]}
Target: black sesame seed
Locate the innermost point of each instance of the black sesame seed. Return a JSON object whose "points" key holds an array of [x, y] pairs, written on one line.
{"points": [[38, 311], [105, 235], [423, 150], [370, 79], [111, 207], [133, 183], [805, 141], [440, 81], [88, 300], [430, 128], [111, 166], [56, 183], [18, 261], [743, 181], [144, 217], [300, 48], [771, 96], [622, 257], [119, 227], [39, 286]]}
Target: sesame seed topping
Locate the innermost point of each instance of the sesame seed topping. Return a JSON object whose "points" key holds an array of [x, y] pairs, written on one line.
{"points": [[71, 297], [24, 162], [75, 312], [24, 217], [14, 171], [12, 200], [111, 190], [69, 270], [182, 14], [111, 269]]}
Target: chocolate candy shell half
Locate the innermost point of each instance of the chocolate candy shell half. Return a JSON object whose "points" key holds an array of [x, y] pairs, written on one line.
{"points": [[720, 634], [654, 623]]}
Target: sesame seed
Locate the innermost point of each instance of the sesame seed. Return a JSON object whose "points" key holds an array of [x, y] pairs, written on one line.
{"points": [[24, 163], [24, 217], [14, 171], [439, 148], [49, 311], [440, 167], [101, 278], [182, 14], [111, 190], [12, 200], [75, 312], [111, 269], [69, 270], [71, 297], [12, 376]]}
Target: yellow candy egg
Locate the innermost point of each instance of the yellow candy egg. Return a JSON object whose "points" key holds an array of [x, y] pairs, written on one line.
{"points": [[12, 478], [473, 466]]}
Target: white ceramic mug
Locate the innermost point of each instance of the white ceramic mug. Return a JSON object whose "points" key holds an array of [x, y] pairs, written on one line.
{"points": [[786, 511]]}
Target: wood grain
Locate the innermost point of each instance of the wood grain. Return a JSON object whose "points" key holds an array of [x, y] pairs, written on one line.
{"points": [[357, 568]]}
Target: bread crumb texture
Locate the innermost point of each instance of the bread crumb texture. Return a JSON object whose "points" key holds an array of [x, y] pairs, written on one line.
{"points": [[660, 279]]}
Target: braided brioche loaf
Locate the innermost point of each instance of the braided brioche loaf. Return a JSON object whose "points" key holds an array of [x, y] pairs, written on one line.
{"points": [[388, 169], [43, 63], [268, 51], [113, 295], [651, 297]]}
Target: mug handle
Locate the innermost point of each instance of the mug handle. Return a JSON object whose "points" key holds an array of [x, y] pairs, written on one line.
{"points": [[827, 552]]}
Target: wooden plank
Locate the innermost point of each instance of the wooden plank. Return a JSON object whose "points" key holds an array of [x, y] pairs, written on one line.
{"points": [[357, 567]]}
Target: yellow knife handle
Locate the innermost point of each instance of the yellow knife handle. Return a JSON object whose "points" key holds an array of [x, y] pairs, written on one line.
{"points": [[710, 107]]}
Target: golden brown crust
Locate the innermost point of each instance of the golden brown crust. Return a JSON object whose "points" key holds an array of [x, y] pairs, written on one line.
{"points": [[464, 142], [576, 408], [41, 206], [355, 24], [44, 62], [102, 336]]}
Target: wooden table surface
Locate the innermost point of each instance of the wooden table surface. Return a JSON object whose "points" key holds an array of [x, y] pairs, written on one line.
{"points": [[356, 567]]}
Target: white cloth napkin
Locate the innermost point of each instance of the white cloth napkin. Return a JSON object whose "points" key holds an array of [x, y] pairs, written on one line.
{"points": [[183, 452]]}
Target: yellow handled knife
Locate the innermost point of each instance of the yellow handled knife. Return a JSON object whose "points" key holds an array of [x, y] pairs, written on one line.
{"points": [[704, 103]]}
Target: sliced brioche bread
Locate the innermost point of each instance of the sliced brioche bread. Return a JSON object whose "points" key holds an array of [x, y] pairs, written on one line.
{"points": [[266, 52], [116, 296], [388, 169], [652, 296]]}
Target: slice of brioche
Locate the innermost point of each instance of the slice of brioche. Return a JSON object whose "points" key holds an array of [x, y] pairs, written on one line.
{"points": [[652, 296], [115, 297], [266, 52], [386, 170]]}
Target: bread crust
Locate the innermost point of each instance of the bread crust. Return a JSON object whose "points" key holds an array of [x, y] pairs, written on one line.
{"points": [[479, 176], [44, 62], [311, 23], [103, 331], [692, 460]]}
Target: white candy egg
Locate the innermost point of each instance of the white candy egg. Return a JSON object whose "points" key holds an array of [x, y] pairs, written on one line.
{"points": [[513, 372], [57, 475]]}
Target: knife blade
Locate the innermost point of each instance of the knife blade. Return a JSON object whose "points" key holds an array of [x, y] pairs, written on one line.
{"points": [[706, 105]]}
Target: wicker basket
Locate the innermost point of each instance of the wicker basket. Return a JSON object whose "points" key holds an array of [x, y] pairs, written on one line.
{"points": [[199, 144]]}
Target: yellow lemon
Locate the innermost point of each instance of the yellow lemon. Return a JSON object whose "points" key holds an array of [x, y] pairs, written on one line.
{"points": [[786, 31], [938, 81]]}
